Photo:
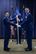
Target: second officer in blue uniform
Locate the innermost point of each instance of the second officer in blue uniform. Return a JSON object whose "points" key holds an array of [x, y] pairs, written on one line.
{"points": [[28, 27], [7, 23]]}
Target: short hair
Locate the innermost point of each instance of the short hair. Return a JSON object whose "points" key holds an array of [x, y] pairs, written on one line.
{"points": [[26, 8]]}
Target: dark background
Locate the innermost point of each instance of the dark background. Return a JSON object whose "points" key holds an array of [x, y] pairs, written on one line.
{"points": [[7, 5]]}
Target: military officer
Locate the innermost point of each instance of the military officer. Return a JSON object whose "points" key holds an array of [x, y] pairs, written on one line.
{"points": [[28, 27], [7, 23]]}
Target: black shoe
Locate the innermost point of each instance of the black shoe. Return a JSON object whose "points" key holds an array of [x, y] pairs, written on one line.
{"points": [[27, 49], [6, 49]]}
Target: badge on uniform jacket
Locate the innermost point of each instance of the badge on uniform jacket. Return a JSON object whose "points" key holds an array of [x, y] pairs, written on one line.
{"points": [[26, 17], [21, 19]]}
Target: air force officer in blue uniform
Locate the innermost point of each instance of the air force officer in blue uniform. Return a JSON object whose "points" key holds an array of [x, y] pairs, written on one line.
{"points": [[7, 34], [28, 27]]}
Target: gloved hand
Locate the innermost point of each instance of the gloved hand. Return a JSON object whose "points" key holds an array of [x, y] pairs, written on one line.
{"points": [[18, 25]]}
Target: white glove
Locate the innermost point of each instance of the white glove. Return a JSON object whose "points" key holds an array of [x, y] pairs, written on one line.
{"points": [[18, 25]]}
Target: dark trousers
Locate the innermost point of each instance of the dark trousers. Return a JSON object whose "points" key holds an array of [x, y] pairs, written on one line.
{"points": [[6, 39], [29, 39]]}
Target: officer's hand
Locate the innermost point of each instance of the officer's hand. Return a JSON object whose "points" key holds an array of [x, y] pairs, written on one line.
{"points": [[18, 25], [18, 20]]}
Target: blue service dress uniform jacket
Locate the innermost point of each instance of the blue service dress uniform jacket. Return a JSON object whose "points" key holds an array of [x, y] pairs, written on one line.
{"points": [[28, 26], [7, 35]]}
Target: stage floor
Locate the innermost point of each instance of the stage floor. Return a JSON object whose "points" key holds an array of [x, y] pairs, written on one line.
{"points": [[17, 49]]}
